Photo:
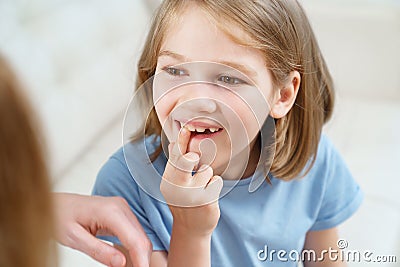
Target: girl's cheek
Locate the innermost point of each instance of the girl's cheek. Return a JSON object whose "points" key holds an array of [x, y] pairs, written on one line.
{"points": [[160, 111], [249, 120], [164, 106]]}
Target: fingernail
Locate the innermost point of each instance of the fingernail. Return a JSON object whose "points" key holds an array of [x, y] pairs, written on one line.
{"points": [[117, 261], [185, 130]]}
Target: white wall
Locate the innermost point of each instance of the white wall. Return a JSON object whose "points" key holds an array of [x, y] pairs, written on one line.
{"points": [[77, 60], [360, 41]]}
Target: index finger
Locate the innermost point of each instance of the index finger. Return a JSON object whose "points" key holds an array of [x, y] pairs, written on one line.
{"points": [[180, 162], [182, 142]]}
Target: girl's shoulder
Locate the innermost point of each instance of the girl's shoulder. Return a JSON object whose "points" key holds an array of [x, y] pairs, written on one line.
{"points": [[329, 171], [130, 169], [325, 146], [334, 188], [327, 155]]}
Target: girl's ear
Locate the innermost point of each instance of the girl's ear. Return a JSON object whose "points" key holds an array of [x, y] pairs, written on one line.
{"points": [[286, 96]]}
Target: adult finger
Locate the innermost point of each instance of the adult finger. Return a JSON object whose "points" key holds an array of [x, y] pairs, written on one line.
{"points": [[124, 224], [135, 240], [82, 240]]}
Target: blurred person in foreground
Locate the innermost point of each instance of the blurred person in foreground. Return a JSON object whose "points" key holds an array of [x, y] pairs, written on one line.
{"points": [[30, 215]]}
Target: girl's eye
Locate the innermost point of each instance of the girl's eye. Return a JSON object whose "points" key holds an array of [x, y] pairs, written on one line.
{"points": [[231, 80], [174, 71]]}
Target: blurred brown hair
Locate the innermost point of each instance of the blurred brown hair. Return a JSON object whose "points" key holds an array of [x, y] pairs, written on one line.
{"points": [[26, 219]]}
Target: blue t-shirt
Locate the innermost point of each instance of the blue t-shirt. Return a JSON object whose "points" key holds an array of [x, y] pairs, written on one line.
{"points": [[274, 217]]}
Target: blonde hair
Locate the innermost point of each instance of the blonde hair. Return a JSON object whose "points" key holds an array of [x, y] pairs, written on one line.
{"points": [[26, 217], [281, 31]]}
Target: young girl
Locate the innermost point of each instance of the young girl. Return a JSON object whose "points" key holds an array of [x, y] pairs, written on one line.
{"points": [[221, 70]]}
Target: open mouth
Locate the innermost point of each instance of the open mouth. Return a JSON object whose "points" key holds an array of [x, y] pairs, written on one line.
{"points": [[201, 130]]}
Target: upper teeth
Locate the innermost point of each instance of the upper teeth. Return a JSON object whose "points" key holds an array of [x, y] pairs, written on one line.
{"points": [[198, 128]]}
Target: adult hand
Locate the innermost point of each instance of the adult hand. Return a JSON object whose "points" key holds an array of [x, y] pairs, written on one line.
{"points": [[80, 218]]}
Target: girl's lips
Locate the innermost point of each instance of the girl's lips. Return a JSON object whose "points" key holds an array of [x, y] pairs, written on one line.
{"points": [[199, 123], [205, 134]]}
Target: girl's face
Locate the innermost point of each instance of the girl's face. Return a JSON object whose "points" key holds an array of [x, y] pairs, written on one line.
{"points": [[219, 89]]}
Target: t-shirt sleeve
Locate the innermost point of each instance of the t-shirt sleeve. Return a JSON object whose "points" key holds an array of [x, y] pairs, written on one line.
{"points": [[114, 179], [341, 195]]}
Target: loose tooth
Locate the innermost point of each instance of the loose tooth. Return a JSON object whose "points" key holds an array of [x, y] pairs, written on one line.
{"points": [[200, 129], [213, 130], [190, 128]]}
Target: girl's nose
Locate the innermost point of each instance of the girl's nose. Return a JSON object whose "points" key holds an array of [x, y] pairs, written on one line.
{"points": [[204, 104]]}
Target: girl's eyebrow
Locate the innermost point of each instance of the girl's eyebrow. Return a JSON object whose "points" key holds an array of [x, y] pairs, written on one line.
{"points": [[242, 68], [173, 55], [237, 66]]}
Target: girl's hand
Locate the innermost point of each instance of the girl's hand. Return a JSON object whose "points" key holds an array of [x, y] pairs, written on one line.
{"points": [[192, 199]]}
